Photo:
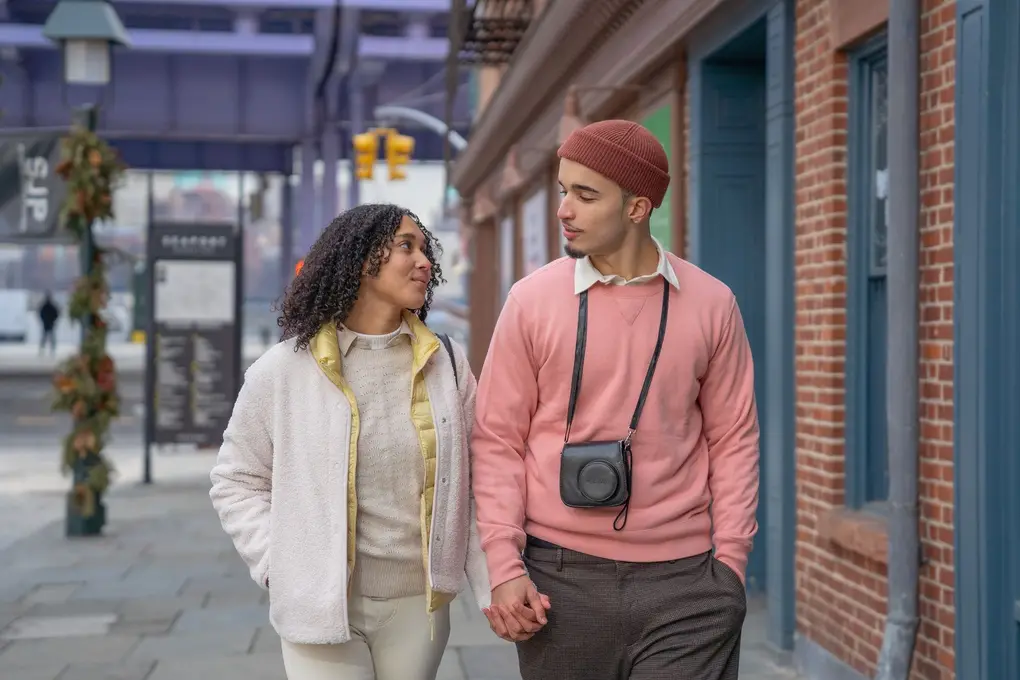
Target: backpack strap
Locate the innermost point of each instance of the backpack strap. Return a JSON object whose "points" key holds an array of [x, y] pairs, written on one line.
{"points": [[445, 339]]}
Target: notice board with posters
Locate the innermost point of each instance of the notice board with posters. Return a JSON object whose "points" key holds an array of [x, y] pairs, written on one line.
{"points": [[193, 342], [31, 191], [659, 123]]}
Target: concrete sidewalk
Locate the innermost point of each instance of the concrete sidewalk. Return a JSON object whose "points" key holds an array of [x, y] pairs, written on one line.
{"points": [[163, 596]]}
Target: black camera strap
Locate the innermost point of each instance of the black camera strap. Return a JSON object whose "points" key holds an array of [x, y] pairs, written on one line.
{"points": [[575, 387], [579, 351]]}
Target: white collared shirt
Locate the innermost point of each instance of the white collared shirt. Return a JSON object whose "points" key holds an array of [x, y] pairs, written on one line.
{"points": [[346, 337], [586, 275]]}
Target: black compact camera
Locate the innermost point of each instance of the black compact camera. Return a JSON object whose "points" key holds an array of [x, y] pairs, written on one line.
{"points": [[595, 474], [598, 474]]}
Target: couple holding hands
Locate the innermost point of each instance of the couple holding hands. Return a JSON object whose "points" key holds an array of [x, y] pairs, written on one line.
{"points": [[597, 485]]}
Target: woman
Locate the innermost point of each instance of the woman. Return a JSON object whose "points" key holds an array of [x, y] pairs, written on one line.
{"points": [[343, 477]]}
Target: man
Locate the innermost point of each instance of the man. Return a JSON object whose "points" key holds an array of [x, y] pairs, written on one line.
{"points": [[617, 515], [48, 315]]}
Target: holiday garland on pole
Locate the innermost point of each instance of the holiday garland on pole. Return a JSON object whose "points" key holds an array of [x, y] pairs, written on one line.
{"points": [[86, 384]]}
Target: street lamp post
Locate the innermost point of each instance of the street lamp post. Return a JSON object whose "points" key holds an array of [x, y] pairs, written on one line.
{"points": [[86, 31]]}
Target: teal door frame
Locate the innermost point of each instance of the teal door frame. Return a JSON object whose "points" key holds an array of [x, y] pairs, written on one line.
{"points": [[777, 395], [986, 315]]}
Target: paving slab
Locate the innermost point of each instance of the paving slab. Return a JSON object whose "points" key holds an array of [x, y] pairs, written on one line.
{"points": [[212, 643], [51, 592], [220, 585], [252, 667], [245, 598], [74, 608], [10, 613], [128, 670], [66, 578], [141, 628], [128, 588], [221, 618], [158, 608], [39, 627], [93, 649], [38, 670], [14, 593]]}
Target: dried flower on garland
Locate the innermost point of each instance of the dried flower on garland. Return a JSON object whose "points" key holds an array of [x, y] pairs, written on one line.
{"points": [[86, 384]]}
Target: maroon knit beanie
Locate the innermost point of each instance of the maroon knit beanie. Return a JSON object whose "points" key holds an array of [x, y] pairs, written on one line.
{"points": [[624, 152]]}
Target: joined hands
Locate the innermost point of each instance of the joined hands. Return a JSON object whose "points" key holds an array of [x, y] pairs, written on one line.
{"points": [[518, 610]]}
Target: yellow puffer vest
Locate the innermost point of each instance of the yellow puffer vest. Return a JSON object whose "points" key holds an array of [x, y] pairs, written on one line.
{"points": [[325, 347]]}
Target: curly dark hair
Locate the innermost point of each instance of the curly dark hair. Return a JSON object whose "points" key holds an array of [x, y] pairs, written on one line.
{"points": [[327, 286]]}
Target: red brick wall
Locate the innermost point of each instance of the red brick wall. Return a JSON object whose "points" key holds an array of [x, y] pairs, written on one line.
{"points": [[935, 647], [841, 592], [836, 597]]}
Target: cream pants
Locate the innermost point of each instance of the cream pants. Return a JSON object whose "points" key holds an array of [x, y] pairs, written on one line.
{"points": [[391, 640]]}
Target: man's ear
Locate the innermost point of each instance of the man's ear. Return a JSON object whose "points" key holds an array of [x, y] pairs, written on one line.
{"points": [[637, 208]]}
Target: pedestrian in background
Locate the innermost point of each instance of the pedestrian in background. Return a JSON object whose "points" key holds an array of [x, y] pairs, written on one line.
{"points": [[48, 315], [343, 476], [616, 440]]}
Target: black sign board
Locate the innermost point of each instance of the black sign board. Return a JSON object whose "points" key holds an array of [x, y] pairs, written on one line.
{"points": [[194, 332], [31, 192]]}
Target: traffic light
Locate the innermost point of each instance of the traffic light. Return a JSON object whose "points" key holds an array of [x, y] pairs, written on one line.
{"points": [[398, 153], [366, 150]]}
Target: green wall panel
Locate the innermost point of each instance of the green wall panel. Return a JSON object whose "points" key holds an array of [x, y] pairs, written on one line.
{"points": [[659, 123]]}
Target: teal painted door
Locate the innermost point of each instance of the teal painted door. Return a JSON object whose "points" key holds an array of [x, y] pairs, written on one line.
{"points": [[731, 218], [986, 334]]}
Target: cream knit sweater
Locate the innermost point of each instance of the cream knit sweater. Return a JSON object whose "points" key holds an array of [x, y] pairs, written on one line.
{"points": [[391, 470]]}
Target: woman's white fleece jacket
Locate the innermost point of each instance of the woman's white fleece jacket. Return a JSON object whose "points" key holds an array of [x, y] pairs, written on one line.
{"points": [[280, 488]]}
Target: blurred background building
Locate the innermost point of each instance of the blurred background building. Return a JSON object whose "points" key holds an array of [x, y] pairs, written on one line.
{"points": [[28, 270]]}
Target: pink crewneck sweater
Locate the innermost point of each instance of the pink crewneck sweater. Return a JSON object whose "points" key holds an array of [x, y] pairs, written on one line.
{"points": [[696, 444]]}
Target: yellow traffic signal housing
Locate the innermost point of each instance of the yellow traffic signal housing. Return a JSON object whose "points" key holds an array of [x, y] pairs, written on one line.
{"points": [[366, 150], [398, 153]]}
